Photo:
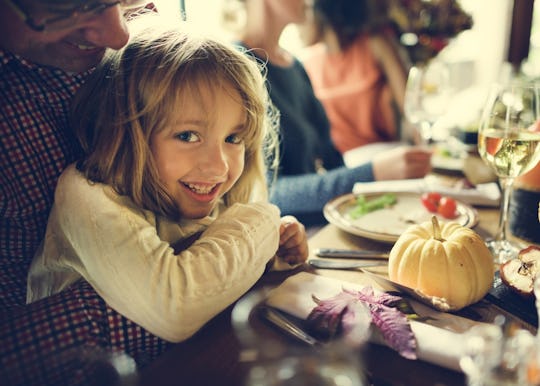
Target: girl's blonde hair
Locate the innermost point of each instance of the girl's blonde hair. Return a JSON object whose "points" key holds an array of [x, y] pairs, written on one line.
{"points": [[134, 91]]}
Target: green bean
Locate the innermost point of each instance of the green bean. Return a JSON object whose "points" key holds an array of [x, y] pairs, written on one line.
{"points": [[364, 206]]}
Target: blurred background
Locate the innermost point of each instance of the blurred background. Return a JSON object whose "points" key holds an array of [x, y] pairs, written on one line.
{"points": [[479, 41], [504, 36]]}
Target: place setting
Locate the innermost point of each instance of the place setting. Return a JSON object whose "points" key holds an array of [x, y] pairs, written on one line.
{"points": [[435, 304]]}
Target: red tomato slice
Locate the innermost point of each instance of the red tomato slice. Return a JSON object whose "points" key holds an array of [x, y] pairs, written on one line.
{"points": [[430, 200], [447, 207]]}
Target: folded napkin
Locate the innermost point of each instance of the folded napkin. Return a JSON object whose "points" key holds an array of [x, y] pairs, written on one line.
{"points": [[441, 344], [487, 194]]}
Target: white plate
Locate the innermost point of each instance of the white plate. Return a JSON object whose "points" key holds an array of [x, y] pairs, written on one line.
{"points": [[389, 223]]}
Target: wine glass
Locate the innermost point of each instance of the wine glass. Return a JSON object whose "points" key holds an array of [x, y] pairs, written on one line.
{"points": [[497, 355], [509, 142], [427, 95]]}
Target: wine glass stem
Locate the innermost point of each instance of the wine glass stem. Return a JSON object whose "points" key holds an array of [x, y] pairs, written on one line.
{"points": [[425, 132], [506, 184]]}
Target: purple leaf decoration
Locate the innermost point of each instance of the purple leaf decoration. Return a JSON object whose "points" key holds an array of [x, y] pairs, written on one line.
{"points": [[395, 329], [352, 312], [327, 316], [355, 323], [367, 294]]}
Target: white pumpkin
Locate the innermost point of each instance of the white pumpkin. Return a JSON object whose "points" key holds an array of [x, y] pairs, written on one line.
{"points": [[444, 260]]}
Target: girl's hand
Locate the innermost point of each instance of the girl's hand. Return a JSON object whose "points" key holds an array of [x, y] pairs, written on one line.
{"points": [[293, 246]]}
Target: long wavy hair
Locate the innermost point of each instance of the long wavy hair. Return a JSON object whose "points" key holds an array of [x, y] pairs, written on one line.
{"points": [[348, 18], [131, 95]]}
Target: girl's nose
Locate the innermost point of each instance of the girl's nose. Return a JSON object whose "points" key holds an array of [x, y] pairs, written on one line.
{"points": [[213, 160], [108, 29]]}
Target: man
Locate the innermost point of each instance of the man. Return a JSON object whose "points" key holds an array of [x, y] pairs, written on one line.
{"points": [[47, 47]]}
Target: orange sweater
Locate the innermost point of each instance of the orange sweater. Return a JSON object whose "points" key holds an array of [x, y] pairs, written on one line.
{"points": [[355, 94]]}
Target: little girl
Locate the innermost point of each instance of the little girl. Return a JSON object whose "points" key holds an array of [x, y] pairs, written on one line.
{"points": [[166, 216]]}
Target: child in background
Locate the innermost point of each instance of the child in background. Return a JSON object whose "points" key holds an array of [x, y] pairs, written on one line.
{"points": [[166, 216], [356, 72]]}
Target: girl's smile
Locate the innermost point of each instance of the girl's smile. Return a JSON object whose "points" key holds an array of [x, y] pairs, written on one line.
{"points": [[202, 192]]}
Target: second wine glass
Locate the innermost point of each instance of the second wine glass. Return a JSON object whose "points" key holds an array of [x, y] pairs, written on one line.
{"points": [[427, 96], [509, 142]]}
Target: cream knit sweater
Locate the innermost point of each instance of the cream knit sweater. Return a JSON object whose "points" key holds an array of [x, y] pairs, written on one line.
{"points": [[125, 253]]}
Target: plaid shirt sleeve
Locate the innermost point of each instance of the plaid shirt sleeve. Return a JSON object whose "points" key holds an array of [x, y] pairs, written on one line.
{"points": [[35, 146], [60, 340]]}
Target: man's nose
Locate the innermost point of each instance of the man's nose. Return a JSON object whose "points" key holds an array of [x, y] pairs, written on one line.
{"points": [[109, 29]]}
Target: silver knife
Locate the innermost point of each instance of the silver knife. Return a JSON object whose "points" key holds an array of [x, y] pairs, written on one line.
{"points": [[439, 304], [332, 264], [350, 253], [280, 320]]}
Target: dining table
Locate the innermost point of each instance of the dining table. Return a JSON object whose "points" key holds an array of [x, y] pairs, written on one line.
{"points": [[220, 353]]}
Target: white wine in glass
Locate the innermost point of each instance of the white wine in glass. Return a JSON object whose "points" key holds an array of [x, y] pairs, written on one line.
{"points": [[509, 142]]}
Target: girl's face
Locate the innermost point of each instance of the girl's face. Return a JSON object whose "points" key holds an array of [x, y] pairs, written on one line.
{"points": [[200, 153]]}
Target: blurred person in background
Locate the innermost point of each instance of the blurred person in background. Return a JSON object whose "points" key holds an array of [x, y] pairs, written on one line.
{"points": [[356, 70], [311, 170]]}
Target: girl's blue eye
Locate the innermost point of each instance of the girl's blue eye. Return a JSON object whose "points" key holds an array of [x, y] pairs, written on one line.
{"points": [[234, 139], [187, 136]]}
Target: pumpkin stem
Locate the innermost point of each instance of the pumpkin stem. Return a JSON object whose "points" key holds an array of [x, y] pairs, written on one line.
{"points": [[436, 229]]}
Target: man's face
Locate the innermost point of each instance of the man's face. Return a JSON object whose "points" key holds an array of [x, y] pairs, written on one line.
{"points": [[74, 49]]}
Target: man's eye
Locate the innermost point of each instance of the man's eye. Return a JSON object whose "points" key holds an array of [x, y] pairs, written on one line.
{"points": [[234, 139], [187, 136]]}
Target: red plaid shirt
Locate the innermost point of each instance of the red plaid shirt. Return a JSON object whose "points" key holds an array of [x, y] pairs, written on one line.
{"points": [[35, 146], [44, 343]]}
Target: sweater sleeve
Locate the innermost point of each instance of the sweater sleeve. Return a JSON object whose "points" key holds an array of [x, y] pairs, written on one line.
{"points": [[306, 194], [116, 248]]}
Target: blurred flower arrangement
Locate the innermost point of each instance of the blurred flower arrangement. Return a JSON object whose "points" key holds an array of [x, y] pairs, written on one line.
{"points": [[424, 27]]}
